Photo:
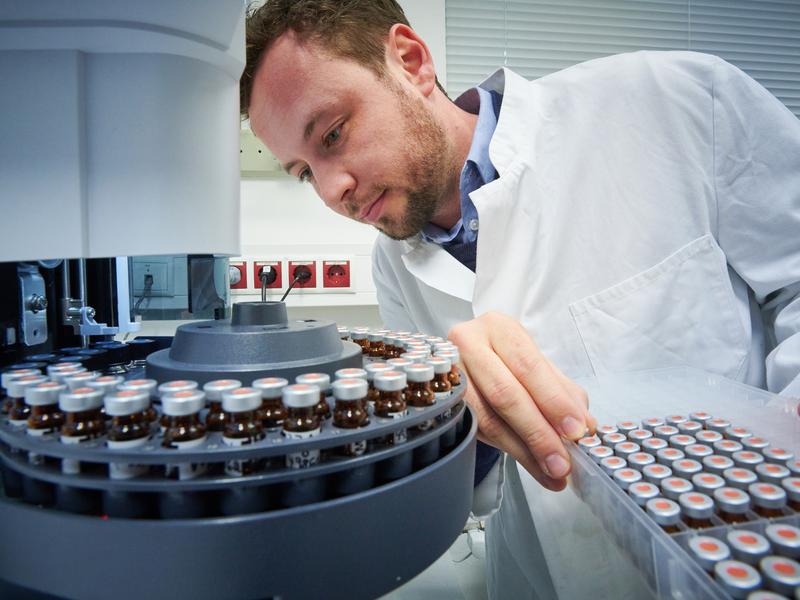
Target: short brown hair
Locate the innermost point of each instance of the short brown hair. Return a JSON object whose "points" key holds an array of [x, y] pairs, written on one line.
{"points": [[354, 29]]}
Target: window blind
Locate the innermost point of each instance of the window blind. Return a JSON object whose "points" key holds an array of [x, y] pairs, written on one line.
{"points": [[537, 37]]}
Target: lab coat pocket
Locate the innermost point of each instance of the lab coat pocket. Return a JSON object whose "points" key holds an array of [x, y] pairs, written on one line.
{"points": [[679, 312]]}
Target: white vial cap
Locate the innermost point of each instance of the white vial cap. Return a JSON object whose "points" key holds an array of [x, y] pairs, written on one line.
{"points": [[377, 367], [359, 333], [14, 373], [415, 357], [80, 399], [241, 399], [351, 373], [440, 365], [106, 383], [344, 332], [64, 366], [175, 386], [453, 354], [321, 380], [44, 394], [399, 364], [126, 402], [64, 373], [419, 373], [183, 403], [79, 380], [215, 389], [140, 385], [270, 387], [390, 381], [300, 395], [16, 386], [375, 336], [350, 389]]}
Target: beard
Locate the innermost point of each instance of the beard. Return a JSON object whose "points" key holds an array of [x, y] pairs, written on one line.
{"points": [[427, 168]]}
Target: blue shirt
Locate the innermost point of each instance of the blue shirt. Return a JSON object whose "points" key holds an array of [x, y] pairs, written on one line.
{"points": [[461, 240]]}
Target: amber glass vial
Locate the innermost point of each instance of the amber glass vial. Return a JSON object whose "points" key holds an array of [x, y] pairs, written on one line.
{"points": [[19, 411], [242, 426], [83, 421], [455, 358], [323, 382], [173, 387], [272, 411], [349, 412], [359, 336], [302, 422], [6, 378], [216, 417], [149, 386], [418, 392], [184, 430], [130, 428], [45, 417], [390, 403]]}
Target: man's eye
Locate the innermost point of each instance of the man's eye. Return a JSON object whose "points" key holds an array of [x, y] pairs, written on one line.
{"points": [[304, 175], [333, 136]]}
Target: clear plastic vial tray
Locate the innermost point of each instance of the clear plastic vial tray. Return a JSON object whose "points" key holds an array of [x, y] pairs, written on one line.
{"points": [[663, 559]]}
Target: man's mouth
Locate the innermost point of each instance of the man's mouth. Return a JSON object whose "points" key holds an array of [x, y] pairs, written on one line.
{"points": [[372, 213]]}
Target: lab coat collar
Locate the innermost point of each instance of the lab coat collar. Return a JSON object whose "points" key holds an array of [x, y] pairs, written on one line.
{"points": [[515, 124], [436, 268]]}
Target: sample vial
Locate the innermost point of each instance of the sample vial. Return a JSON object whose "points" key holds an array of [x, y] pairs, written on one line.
{"points": [[667, 456], [175, 386], [777, 455], [736, 577], [681, 441], [19, 411], [10, 374], [653, 445], [738, 433], [359, 336], [732, 504], [587, 443], [700, 416], [792, 487], [399, 364], [612, 463], [376, 348], [639, 460], [390, 345], [785, 539], [242, 426], [755, 443], [625, 449], [768, 499], [77, 380], [639, 435], [106, 383], [718, 425], [690, 427], [707, 436], [598, 453], [349, 411], [707, 482], [184, 430], [686, 467], [698, 451], [60, 371], [794, 466], [727, 447], [415, 356], [626, 426], [656, 473], [215, 390], [747, 459], [604, 429], [455, 358], [665, 431], [747, 546], [739, 478], [708, 551], [390, 403], [674, 420], [83, 421], [45, 418], [697, 510], [149, 386], [782, 575], [626, 477], [666, 513], [441, 385], [272, 411], [372, 369], [129, 429], [643, 491], [772, 473], [350, 373], [344, 332], [612, 439], [717, 464], [323, 382], [302, 422], [651, 423], [673, 487], [418, 393]]}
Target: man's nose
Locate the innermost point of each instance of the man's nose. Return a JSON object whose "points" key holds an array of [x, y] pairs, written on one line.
{"points": [[336, 187]]}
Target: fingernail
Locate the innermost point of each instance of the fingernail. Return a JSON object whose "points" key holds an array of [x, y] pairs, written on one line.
{"points": [[572, 428], [556, 466]]}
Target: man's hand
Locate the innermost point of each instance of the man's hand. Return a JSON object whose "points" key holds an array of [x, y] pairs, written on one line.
{"points": [[524, 404]]}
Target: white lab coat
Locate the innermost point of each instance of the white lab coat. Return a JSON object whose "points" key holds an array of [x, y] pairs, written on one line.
{"points": [[646, 214]]}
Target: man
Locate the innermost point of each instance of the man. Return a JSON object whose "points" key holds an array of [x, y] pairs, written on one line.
{"points": [[631, 212]]}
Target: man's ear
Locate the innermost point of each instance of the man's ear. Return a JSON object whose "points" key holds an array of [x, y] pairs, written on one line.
{"points": [[409, 58]]}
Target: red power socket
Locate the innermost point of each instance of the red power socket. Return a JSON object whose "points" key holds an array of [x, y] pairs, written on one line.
{"points": [[336, 273], [276, 265], [311, 265], [241, 266]]}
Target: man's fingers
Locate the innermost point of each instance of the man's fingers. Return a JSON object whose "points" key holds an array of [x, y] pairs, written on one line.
{"points": [[505, 396], [528, 365], [577, 391]]}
